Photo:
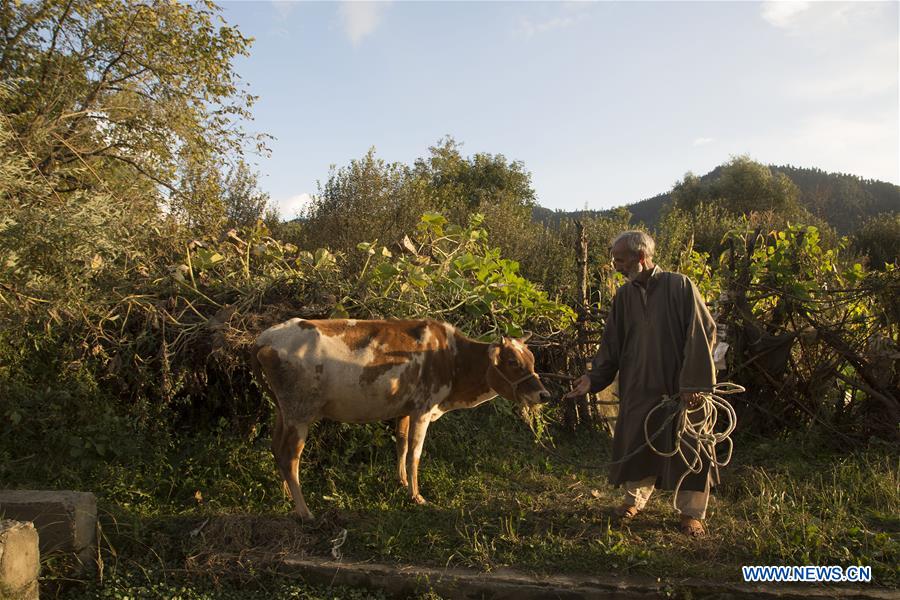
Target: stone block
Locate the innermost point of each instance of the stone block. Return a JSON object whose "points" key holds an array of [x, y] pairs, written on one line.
{"points": [[19, 560], [65, 520]]}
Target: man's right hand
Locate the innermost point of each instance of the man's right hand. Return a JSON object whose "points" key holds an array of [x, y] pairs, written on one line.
{"points": [[581, 387]]}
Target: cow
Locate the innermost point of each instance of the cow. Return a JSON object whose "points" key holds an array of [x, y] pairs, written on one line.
{"points": [[356, 371]]}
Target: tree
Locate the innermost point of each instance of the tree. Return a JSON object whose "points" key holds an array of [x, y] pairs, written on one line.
{"points": [[879, 239], [742, 186], [491, 185], [139, 90], [701, 229], [366, 200], [244, 202], [461, 186]]}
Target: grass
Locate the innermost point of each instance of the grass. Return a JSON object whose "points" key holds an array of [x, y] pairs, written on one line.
{"points": [[177, 509]]}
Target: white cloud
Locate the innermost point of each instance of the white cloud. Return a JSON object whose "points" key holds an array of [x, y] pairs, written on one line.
{"points": [[361, 19], [783, 13], [530, 29], [819, 18], [702, 141], [284, 8], [577, 11], [291, 208]]}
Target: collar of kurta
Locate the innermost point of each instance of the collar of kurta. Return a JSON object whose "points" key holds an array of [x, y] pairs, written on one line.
{"points": [[651, 281]]}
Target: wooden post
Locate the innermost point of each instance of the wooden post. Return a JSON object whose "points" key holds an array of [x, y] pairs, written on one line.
{"points": [[578, 410]]}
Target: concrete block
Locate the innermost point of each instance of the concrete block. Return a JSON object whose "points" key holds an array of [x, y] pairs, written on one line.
{"points": [[66, 521], [19, 560]]}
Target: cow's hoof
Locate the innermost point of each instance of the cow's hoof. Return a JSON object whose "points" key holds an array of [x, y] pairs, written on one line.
{"points": [[418, 499], [404, 483], [306, 517]]}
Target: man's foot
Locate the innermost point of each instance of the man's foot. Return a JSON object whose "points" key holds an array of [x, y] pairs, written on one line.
{"points": [[626, 512], [691, 527]]}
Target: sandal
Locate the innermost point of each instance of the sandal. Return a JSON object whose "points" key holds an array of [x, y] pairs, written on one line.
{"points": [[626, 512], [692, 527]]}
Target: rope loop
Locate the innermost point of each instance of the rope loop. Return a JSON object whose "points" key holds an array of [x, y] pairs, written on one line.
{"points": [[698, 437]]}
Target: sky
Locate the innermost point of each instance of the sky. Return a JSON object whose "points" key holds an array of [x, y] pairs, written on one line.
{"points": [[605, 103]]}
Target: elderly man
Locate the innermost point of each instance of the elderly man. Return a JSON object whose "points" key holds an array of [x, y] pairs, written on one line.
{"points": [[658, 338]]}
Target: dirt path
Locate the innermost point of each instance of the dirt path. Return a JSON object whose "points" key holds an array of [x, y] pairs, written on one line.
{"points": [[404, 580]]}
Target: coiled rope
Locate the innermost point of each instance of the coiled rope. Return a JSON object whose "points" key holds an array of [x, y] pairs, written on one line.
{"points": [[701, 433], [702, 430]]}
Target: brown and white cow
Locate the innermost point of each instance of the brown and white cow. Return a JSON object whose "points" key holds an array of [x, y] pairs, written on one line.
{"points": [[356, 371]]}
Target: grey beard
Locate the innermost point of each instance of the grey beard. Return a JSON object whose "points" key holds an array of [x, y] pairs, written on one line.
{"points": [[633, 275]]}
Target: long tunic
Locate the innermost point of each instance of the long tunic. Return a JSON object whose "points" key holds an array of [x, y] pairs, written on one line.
{"points": [[659, 338]]}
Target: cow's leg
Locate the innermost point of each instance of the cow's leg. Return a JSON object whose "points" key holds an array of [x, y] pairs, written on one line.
{"points": [[418, 426], [401, 431], [287, 449], [277, 434]]}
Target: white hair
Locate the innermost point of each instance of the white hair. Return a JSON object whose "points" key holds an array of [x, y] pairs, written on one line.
{"points": [[637, 241]]}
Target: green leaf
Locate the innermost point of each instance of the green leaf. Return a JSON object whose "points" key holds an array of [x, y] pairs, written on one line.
{"points": [[465, 262], [418, 278], [386, 270], [324, 258], [433, 218], [339, 312], [514, 330]]}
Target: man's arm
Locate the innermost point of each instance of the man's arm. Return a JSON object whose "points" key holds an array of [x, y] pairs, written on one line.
{"points": [[605, 364]]}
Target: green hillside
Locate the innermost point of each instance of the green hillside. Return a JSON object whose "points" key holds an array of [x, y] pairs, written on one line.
{"points": [[844, 201]]}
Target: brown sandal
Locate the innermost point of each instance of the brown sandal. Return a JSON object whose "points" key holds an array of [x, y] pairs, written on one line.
{"points": [[692, 527], [626, 512]]}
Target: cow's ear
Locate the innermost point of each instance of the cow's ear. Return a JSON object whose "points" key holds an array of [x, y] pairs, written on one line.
{"points": [[526, 338], [494, 354]]}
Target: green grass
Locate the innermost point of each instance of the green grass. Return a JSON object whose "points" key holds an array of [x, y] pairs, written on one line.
{"points": [[496, 499]]}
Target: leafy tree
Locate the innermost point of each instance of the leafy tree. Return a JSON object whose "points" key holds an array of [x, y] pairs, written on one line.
{"points": [[742, 186], [366, 200], [373, 199], [244, 202], [462, 186], [879, 239], [109, 91], [490, 185], [200, 203], [701, 229], [844, 201]]}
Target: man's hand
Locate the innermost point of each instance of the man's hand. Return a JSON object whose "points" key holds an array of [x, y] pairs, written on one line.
{"points": [[582, 387], [692, 400]]}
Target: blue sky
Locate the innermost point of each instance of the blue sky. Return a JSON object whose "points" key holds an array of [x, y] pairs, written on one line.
{"points": [[605, 103]]}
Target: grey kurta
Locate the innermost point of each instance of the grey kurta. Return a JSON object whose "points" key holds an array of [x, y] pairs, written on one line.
{"points": [[659, 339]]}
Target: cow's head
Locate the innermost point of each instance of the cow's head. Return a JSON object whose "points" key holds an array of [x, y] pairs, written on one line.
{"points": [[511, 373]]}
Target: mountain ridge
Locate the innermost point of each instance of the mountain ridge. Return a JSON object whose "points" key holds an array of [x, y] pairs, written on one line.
{"points": [[843, 200]]}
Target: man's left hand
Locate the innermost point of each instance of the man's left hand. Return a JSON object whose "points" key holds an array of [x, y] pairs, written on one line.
{"points": [[692, 400]]}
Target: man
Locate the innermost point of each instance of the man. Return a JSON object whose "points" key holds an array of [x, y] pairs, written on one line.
{"points": [[658, 338]]}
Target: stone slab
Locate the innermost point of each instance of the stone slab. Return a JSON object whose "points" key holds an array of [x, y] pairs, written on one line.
{"points": [[65, 520], [19, 560]]}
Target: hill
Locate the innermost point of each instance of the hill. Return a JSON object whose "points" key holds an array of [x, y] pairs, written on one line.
{"points": [[844, 201]]}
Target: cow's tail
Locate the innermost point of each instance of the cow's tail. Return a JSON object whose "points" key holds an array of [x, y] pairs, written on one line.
{"points": [[259, 373]]}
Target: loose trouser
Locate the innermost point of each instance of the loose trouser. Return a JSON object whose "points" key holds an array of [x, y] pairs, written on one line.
{"points": [[692, 504]]}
